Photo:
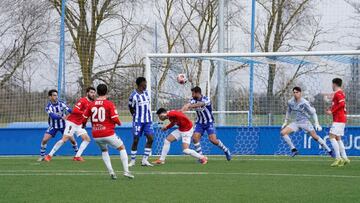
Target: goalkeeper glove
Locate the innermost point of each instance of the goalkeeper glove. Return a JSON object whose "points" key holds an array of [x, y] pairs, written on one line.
{"points": [[284, 124], [318, 127]]}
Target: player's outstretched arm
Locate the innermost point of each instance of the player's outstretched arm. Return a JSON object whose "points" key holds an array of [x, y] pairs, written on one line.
{"points": [[66, 107], [186, 107]]}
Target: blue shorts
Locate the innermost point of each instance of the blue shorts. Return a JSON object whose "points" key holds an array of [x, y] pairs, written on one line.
{"points": [[140, 128], [209, 128], [52, 131]]}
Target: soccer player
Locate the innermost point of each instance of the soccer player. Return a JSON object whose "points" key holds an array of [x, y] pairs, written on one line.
{"points": [[74, 125], [104, 116], [140, 109], [338, 111], [184, 132], [302, 109], [204, 121], [56, 111]]}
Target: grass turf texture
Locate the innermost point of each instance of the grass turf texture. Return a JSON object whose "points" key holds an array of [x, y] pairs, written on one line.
{"points": [[181, 179]]}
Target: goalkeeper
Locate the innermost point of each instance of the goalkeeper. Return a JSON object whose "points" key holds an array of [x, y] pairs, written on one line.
{"points": [[302, 110]]}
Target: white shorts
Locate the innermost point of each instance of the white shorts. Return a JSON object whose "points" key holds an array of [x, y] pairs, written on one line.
{"points": [[71, 129], [185, 136], [306, 126], [337, 129], [113, 140]]}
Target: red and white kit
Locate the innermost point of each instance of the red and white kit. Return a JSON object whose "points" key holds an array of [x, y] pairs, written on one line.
{"points": [[338, 110], [104, 117], [74, 121], [185, 129]]}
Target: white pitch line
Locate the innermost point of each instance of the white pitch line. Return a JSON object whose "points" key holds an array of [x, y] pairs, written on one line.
{"points": [[215, 158], [102, 173]]}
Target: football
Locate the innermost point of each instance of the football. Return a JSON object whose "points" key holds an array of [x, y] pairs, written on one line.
{"points": [[181, 78]]}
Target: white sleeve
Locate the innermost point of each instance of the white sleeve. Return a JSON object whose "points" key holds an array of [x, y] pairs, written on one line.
{"points": [[312, 111]]}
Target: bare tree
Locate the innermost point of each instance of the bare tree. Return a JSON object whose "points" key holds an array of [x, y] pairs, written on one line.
{"points": [[356, 18], [22, 36], [284, 22], [83, 20], [173, 23], [191, 26]]}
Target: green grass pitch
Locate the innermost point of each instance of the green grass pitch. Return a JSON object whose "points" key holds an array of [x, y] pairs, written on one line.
{"points": [[181, 179]]}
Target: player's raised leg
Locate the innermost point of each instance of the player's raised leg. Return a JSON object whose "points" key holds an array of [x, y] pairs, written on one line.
{"points": [[186, 139], [165, 149], [285, 136]]}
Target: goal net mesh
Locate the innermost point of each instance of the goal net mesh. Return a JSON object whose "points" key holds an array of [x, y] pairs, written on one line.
{"points": [[274, 76]]}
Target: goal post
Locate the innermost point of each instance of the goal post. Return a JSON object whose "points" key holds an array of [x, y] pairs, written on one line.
{"points": [[301, 65]]}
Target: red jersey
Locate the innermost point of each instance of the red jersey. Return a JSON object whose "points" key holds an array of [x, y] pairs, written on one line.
{"points": [[78, 110], [338, 107], [180, 119], [104, 116]]}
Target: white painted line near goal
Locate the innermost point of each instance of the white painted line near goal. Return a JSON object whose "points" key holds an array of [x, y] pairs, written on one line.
{"points": [[174, 173]]}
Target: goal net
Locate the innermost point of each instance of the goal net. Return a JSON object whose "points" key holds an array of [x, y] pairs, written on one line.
{"points": [[264, 80]]}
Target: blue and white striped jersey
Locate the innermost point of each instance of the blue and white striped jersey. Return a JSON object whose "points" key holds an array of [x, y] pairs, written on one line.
{"points": [[302, 109], [141, 104], [56, 111], [204, 114]]}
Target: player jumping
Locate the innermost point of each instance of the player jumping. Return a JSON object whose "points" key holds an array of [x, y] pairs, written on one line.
{"points": [[56, 111], [204, 121], [104, 116], [184, 132], [139, 106], [301, 107], [338, 111], [74, 125]]}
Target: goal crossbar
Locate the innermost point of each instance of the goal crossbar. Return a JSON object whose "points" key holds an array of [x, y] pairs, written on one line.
{"points": [[254, 54]]}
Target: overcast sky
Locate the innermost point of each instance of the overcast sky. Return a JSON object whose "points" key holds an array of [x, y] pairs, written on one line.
{"points": [[336, 17]]}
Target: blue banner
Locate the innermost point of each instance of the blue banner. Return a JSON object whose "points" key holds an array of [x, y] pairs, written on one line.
{"points": [[240, 140]]}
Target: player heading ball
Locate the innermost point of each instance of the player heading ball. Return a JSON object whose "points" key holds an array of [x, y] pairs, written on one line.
{"points": [[184, 132]]}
